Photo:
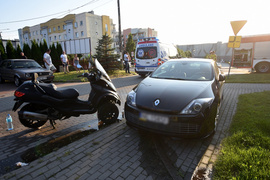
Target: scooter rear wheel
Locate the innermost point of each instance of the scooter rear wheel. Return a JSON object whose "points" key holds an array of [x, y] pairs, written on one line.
{"points": [[29, 122], [108, 113]]}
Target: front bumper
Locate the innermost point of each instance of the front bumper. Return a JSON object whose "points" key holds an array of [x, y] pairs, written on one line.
{"points": [[190, 126]]}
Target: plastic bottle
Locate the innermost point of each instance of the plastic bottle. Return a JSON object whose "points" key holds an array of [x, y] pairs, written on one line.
{"points": [[9, 122]]}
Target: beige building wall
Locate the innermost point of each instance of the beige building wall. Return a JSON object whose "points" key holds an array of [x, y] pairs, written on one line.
{"points": [[70, 27]]}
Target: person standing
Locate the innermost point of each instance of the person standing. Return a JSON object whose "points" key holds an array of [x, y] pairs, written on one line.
{"points": [[126, 59], [76, 63], [65, 62], [48, 61], [23, 56]]}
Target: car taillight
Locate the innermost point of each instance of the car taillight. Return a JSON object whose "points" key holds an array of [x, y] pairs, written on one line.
{"points": [[18, 94], [159, 62]]}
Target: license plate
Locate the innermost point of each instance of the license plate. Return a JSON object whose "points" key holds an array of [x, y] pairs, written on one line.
{"points": [[42, 78], [154, 118]]}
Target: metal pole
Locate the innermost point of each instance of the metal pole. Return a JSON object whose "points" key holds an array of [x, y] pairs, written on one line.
{"points": [[119, 22]]}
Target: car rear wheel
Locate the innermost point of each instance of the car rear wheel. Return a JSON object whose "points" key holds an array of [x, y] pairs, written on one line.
{"points": [[262, 67], [17, 81]]}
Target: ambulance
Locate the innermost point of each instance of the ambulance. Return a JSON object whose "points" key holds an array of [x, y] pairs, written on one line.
{"points": [[151, 53]]}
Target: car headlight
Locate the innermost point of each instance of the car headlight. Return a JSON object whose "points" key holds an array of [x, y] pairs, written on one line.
{"points": [[196, 106], [131, 98], [50, 73], [27, 75]]}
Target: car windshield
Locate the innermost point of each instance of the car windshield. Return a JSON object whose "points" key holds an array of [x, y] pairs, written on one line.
{"points": [[185, 70], [26, 64]]}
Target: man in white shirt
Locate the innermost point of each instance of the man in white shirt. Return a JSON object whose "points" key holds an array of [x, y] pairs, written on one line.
{"points": [[65, 63], [48, 61]]}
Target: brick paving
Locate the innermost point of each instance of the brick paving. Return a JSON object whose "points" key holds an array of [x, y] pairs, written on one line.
{"points": [[114, 152]]}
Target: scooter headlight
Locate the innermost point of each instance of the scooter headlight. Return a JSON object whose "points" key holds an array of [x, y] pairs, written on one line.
{"points": [[27, 75], [196, 106], [131, 98]]}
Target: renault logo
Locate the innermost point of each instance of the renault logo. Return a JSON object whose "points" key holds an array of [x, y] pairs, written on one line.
{"points": [[157, 101]]}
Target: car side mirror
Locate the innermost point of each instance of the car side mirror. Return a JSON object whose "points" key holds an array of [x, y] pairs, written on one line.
{"points": [[221, 77]]}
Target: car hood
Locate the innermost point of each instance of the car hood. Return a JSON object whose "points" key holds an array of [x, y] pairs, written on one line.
{"points": [[32, 70], [173, 95]]}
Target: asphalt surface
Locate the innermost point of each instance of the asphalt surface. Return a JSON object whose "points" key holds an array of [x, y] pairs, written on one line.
{"points": [[114, 152]]}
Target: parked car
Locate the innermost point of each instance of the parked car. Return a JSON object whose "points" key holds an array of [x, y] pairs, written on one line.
{"points": [[180, 98], [20, 70]]}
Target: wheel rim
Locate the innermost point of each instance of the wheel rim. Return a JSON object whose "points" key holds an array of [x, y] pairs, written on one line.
{"points": [[264, 68], [17, 81]]}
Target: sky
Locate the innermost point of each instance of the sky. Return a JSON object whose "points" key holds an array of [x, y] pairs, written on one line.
{"points": [[177, 21]]}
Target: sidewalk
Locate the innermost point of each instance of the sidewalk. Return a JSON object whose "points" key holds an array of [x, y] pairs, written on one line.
{"points": [[119, 152]]}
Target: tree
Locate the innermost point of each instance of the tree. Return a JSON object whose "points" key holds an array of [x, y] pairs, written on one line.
{"points": [[130, 46], [104, 53], [55, 56], [27, 51], [36, 53], [2, 51], [181, 53], [18, 52], [43, 46], [10, 50]]}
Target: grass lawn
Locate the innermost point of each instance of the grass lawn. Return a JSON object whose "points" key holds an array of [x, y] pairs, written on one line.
{"points": [[245, 153], [249, 78], [72, 76]]}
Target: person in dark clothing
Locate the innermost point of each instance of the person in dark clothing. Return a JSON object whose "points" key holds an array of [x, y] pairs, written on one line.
{"points": [[23, 56]]}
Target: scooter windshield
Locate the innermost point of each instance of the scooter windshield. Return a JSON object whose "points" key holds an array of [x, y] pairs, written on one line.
{"points": [[102, 70]]}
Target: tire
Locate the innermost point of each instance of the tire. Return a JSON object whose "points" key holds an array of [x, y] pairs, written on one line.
{"points": [[28, 122], [17, 81], [262, 67], [108, 113]]}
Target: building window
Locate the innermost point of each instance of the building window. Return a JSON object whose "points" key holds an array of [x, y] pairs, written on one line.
{"points": [[50, 38], [76, 34], [75, 24], [54, 37], [53, 28], [50, 30], [59, 37], [37, 32], [96, 23], [65, 36], [96, 33], [38, 40], [82, 34], [81, 23], [64, 27], [106, 27], [58, 28], [33, 33]]}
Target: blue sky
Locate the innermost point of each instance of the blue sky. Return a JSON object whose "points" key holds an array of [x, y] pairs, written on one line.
{"points": [[177, 21]]}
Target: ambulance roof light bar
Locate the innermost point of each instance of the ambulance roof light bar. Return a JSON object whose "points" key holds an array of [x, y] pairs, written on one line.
{"points": [[148, 39]]}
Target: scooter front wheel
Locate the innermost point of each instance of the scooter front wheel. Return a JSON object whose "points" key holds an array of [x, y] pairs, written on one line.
{"points": [[29, 122], [108, 113]]}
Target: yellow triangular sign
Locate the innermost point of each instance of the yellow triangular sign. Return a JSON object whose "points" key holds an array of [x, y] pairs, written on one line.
{"points": [[237, 26]]}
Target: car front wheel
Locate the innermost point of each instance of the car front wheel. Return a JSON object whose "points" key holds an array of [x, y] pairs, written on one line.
{"points": [[17, 81]]}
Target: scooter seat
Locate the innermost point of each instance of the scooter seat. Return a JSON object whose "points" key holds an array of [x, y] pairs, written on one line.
{"points": [[51, 90]]}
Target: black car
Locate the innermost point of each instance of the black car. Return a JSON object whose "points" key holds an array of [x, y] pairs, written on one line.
{"points": [[20, 70], [180, 98]]}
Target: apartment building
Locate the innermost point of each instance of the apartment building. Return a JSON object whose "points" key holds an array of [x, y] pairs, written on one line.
{"points": [[85, 25], [138, 33]]}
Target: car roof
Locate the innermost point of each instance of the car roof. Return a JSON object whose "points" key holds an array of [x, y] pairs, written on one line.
{"points": [[193, 59], [18, 60]]}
